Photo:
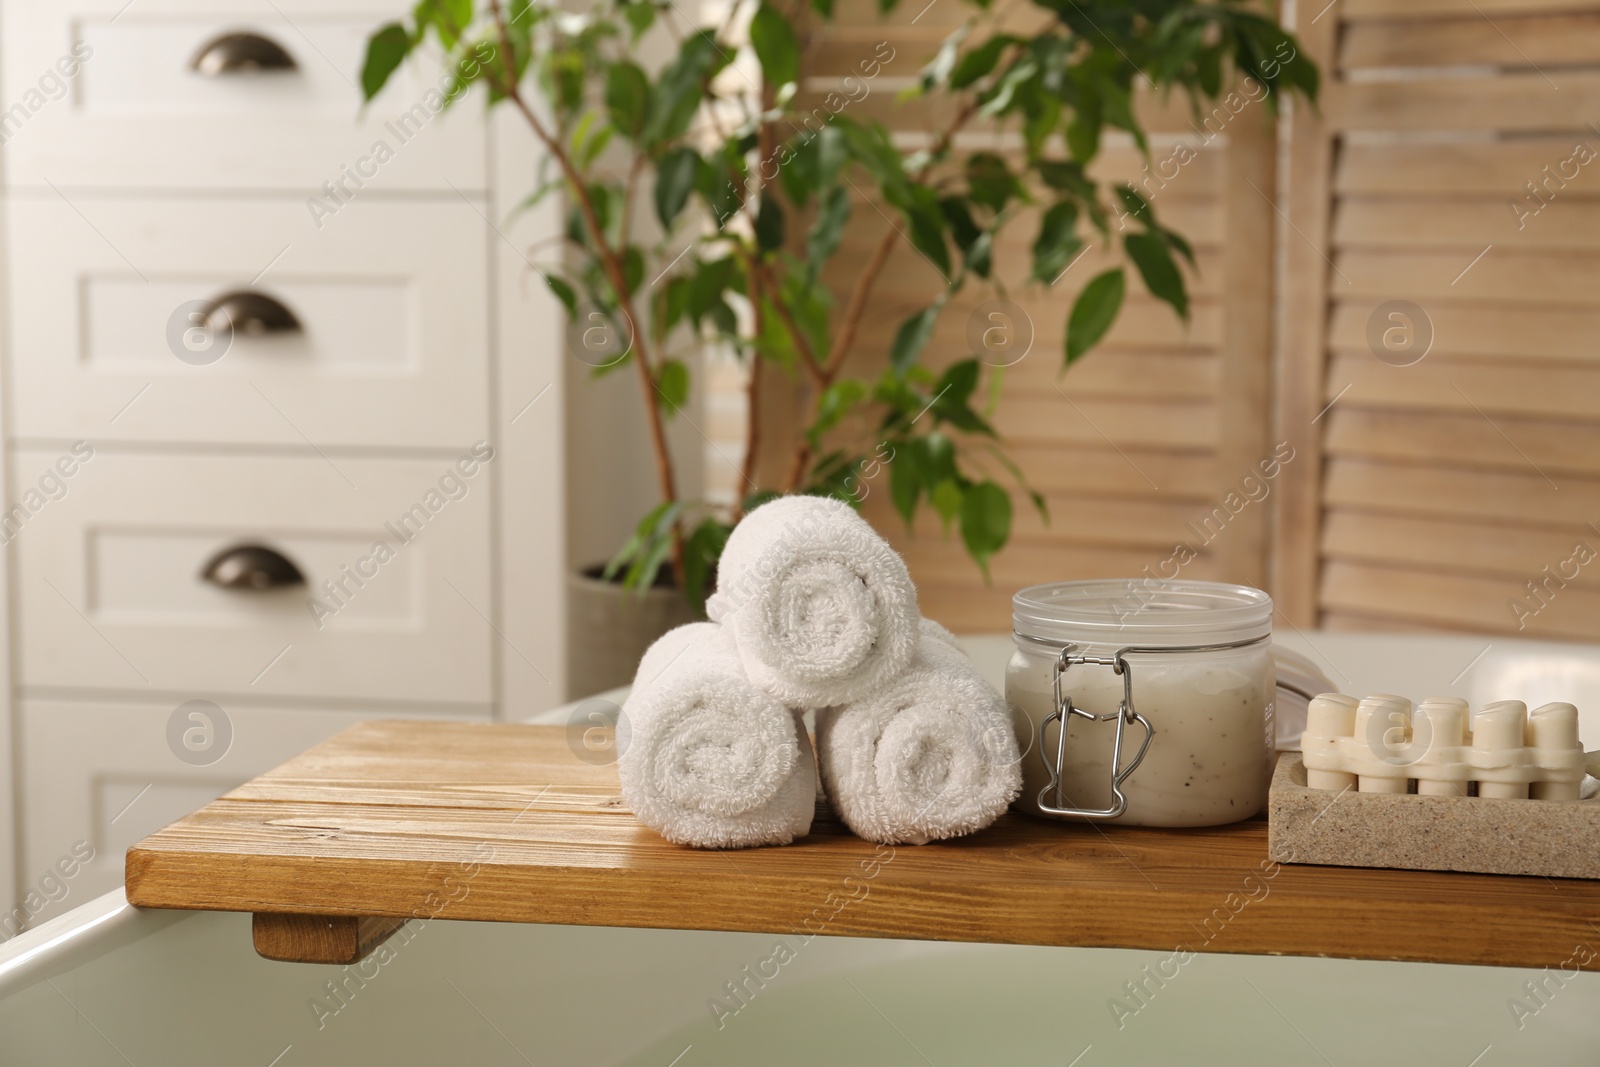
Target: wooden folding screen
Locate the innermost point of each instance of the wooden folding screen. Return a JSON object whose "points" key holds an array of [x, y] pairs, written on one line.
{"points": [[1443, 296]]}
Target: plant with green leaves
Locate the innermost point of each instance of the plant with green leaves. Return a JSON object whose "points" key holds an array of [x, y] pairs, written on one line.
{"points": [[749, 182]]}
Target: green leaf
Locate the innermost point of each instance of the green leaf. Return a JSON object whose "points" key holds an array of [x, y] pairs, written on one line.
{"points": [[651, 528], [938, 458], [946, 499], [1083, 132], [701, 551], [905, 479], [1135, 205], [957, 384], [724, 196], [386, 49], [927, 228], [827, 231], [672, 386], [675, 179], [912, 338], [980, 61], [641, 15], [564, 293], [628, 98], [775, 46], [681, 87], [769, 224], [823, 8], [944, 60], [1094, 311], [837, 401], [1057, 242], [1153, 257], [985, 521], [632, 268], [990, 182]]}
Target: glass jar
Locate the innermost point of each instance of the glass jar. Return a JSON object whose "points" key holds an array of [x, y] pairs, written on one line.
{"points": [[1167, 690]]}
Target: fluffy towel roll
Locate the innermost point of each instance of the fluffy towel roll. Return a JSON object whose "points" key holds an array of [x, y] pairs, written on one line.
{"points": [[822, 609], [931, 755], [706, 758]]}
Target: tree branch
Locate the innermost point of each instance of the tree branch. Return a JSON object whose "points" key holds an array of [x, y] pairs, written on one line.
{"points": [[611, 263]]}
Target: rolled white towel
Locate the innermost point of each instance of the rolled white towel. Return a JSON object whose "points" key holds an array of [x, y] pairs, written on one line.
{"points": [[706, 758], [931, 755], [822, 609]]}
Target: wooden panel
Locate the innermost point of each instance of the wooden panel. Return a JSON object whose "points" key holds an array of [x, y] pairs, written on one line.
{"points": [[1298, 505], [1459, 602], [1503, 274], [1470, 224], [1102, 470], [1435, 384], [1515, 101], [1444, 544], [1558, 448], [1485, 165], [1481, 329], [356, 827], [1389, 9], [1091, 420], [1511, 42], [1467, 494]]}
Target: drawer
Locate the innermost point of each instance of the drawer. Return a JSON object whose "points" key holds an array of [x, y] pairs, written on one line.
{"points": [[99, 776], [109, 553], [391, 346], [102, 93]]}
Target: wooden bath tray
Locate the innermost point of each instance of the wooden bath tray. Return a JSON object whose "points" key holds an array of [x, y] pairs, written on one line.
{"points": [[393, 820]]}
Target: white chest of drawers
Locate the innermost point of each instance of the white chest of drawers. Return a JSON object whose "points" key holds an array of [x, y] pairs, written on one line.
{"points": [[369, 463]]}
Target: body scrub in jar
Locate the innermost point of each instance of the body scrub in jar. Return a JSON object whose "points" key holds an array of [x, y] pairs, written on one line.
{"points": [[1166, 694]]}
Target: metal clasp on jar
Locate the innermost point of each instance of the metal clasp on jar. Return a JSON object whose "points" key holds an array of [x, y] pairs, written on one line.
{"points": [[1126, 713]]}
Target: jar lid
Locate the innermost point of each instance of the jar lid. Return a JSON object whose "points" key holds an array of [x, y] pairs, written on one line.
{"points": [[1141, 611]]}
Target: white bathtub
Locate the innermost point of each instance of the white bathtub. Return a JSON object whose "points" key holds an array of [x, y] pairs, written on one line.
{"points": [[106, 984]]}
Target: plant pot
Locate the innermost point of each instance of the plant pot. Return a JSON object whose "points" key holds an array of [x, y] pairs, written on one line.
{"points": [[609, 628]]}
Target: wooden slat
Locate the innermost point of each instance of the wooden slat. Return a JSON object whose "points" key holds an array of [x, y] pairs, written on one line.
{"points": [[1095, 420], [1490, 167], [1109, 521], [1021, 881], [1355, 10], [1349, 622], [1558, 448], [1298, 504], [1127, 374], [1466, 494], [1514, 101], [1470, 224], [1244, 398], [1481, 329], [1456, 601], [1518, 41], [1441, 385], [1101, 470], [1505, 275], [1449, 544]]}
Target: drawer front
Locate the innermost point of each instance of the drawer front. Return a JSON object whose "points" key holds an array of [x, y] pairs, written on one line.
{"points": [[394, 557], [98, 777], [114, 336], [102, 93]]}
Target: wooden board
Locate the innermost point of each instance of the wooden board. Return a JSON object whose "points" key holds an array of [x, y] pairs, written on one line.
{"points": [[505, 823]]}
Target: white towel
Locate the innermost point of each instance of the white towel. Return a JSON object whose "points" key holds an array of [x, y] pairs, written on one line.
{"points": [[822, 609], [931, 755], [706, 758]]}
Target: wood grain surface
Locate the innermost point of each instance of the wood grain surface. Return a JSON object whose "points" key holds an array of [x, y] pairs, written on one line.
{"points": [[508, 823]]}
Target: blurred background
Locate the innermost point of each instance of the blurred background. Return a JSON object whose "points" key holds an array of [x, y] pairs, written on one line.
{"points": [[296, 434]]}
